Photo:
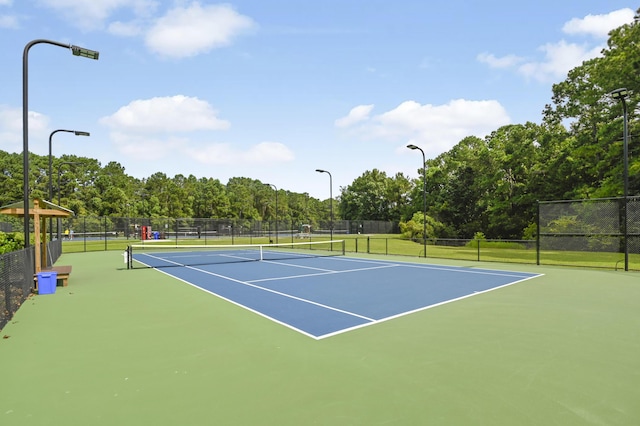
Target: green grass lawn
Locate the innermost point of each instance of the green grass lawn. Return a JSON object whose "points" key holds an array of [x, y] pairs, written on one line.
{"points": [[393, 244]]}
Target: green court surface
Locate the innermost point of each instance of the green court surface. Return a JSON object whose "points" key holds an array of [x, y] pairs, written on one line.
{"points": [[137, 347]]}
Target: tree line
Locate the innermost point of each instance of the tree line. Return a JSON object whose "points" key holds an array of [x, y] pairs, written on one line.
{"points": [[84, 186], [488, 186], [492, 185]]}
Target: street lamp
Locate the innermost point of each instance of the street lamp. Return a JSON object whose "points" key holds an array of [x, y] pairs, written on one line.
{"points": [[424, 197], [77, 51], [126, 231], [330, 200], [276, 190], [77, 133], [621, 95], [60, 190]]}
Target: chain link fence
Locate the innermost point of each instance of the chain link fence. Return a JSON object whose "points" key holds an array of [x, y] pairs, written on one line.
{"points": [[106, 233], [590, 226], [17, 277]]}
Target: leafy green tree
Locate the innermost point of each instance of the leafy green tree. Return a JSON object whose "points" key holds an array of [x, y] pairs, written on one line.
{"points": [[513, 206], [210, 199], [10, 178], [459, 187], [374, 196], [244, 196]]}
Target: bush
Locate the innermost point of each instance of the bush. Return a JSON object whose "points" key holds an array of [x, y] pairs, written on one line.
{"points": [[11, 241], [414, 228]]}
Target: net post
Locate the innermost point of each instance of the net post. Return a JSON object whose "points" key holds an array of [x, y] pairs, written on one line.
{"points": [[261, 255], [343, 247]]}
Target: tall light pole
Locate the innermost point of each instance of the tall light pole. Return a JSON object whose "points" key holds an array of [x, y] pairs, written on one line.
{"points": [[621, 95], [77, 133], [77, 51], [276, 190], [424, 197], [330, 200], [60, 190]]}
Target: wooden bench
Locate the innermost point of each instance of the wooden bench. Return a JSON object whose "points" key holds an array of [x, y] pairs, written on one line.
{"points": [[63, 274]]}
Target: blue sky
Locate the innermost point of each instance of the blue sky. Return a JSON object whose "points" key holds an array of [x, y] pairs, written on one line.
{"points": [[274, 89]]}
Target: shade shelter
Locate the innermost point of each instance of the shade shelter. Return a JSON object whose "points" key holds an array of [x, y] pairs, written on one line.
{"points": [[40, 210]]}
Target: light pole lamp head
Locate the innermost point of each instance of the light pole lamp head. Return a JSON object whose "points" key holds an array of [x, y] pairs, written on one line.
{"points": [[619, 94], [80, 133], [321, 171], [85, 53], [412, 146]]}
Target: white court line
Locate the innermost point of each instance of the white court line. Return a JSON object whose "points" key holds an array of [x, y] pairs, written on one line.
{"points": [[311, 302], [273, 262], [159, 258], [437, 268], [444, 302], [262, 314], [327, 272]]}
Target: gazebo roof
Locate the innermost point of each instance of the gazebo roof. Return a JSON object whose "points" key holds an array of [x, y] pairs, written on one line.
{"points": [[42, 208]]}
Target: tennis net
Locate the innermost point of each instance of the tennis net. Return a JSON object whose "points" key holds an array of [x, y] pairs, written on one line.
{"points": [[164, 255]]}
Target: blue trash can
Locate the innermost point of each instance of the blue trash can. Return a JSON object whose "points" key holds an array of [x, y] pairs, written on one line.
{"points": [[47, 282]]}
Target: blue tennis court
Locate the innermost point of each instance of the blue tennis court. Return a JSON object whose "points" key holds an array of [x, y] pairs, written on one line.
{"points": [[325, 296]]}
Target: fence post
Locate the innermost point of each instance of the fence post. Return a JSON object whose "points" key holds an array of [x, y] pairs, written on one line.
{"points": [[105, 233], [538, 234]]}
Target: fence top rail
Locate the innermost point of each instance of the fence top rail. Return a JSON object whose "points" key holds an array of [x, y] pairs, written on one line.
{"points": [[586, 200]]}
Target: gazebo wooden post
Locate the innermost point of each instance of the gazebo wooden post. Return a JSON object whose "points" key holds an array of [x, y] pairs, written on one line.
{"points": [[36, 234], [40, 228]]}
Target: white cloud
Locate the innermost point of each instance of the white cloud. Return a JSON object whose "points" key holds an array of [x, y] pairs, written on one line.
{"points": [[91, 14], [226, 154], [11, 128], [183, 151], [562, 56], [9, 21], [268, 152], [125, 29], [145, 147], [436, 128], [507, 61], [357, 114], [158, 128], [189, 31], [599, 25], [166, 114], [427, 63], [559, 59]]}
